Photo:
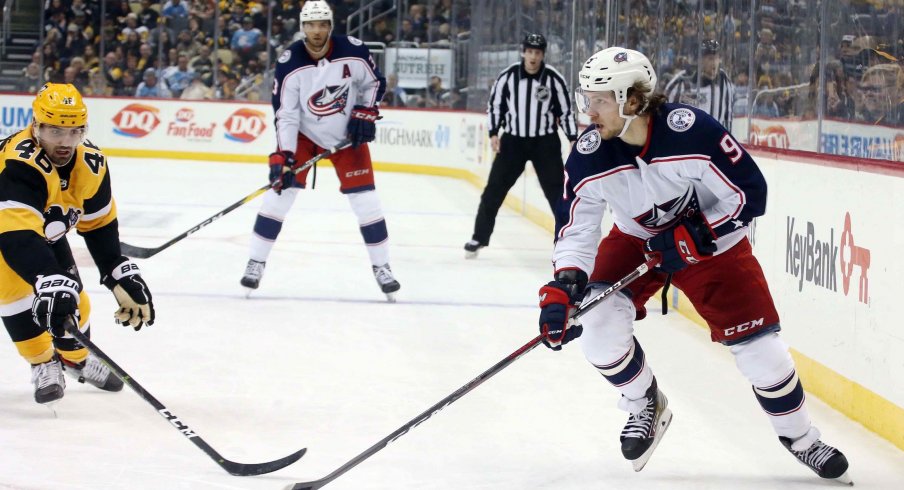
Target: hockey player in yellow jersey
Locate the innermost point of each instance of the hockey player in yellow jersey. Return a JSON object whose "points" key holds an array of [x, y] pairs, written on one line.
{"points": [[53, 179]]}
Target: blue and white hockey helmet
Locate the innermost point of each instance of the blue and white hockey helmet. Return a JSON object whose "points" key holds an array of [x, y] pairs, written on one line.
{"points": [[616, 69]]}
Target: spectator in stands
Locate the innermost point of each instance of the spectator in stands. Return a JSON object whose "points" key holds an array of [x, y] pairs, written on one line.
{"points": [[70, 76], [408, 33], [245, 40], [203, 10], [178, 78], [97, 84], [148, 15], [112, 71], [31, 79], [234, 21], [74, 44], [90, 56], [765, 105], [185, 44], [202, 61], [80, 74], [152, 87], [174, 8], [882, 89], [766, 53], [127, 87], [197, 90], [146, 57], [132, 44], [133, 27], [435, 92], [395, 96]]}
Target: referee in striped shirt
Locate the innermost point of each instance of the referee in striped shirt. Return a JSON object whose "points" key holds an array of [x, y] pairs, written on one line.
{"points": [[529, 101], [715, 93]]}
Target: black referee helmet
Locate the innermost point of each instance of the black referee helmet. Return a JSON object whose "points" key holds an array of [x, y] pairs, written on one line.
{"points": [[710, 46], [536, 41]]}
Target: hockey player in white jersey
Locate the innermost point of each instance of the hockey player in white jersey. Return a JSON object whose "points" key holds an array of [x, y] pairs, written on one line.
{"points": [[326, 89], [680, 187]]}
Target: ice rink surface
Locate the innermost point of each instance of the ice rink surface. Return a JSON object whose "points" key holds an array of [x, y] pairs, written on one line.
{"points": [[317, 358]]}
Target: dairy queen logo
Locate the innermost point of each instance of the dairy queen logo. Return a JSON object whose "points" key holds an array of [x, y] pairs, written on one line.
{"points": [[245, 125], [136, 120]]}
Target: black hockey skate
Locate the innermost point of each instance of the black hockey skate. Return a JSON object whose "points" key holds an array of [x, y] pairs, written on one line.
{"points": [[93, 372], [48, 380], [254, 271], [388, 283], [644, 429], [824, 460], [471, 249]]}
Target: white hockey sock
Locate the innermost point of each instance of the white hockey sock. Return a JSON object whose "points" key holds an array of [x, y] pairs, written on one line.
{"points": [[366, 206], [269, 221], [767, 364]]}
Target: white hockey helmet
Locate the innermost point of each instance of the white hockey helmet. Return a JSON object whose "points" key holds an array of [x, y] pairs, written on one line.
{"points": [[617, 69], [315, 10]]}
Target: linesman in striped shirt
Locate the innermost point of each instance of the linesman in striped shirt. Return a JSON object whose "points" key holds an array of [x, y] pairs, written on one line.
{"points": [[528, 103], [715, 93]]}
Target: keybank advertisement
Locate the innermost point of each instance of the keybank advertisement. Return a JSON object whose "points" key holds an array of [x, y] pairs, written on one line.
{"points": [[830, 247]]}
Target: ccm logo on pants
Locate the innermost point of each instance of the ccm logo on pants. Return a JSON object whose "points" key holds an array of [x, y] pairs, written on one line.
{"points": [[356, 173]]}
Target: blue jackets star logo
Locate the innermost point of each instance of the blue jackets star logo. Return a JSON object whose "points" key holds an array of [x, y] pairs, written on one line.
{"points": [[665, 215]]}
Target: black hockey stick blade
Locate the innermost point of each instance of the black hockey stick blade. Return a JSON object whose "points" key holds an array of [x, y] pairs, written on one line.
{"points": [[474, 383], [232, 467], [137, 252], [145, 253]]}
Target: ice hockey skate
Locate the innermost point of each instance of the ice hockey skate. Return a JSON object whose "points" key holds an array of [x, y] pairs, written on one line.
{"points": [[471, 249], [254, 271], [93, 372], [644, 429], [824, 460], [387, 282], [49, 382]]}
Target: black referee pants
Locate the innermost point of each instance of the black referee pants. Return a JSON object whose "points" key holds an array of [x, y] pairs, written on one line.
{"points": [[545, 152]]}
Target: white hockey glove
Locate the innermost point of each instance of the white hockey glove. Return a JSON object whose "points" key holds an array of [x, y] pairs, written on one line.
{"points": [[136, 307]]}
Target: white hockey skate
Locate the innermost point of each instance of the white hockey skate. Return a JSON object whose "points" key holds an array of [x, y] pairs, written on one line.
{"points": [[93, 372], [644, 429], [254, 271], [49, 382], [386, 281], [471, 249], [824, 460]]}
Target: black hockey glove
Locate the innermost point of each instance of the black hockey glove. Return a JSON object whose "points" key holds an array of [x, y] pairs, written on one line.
{"points": [[557, 303], [362, 127], [689, 242], [56, 299], [281, 176], [136, 307]]}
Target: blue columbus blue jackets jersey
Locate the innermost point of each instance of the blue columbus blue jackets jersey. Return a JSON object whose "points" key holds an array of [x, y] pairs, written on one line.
{"points": [[689, 161], [315, 98]]}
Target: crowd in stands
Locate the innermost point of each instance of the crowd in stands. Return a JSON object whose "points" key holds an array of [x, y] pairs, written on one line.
{"points": [[182, 49]]}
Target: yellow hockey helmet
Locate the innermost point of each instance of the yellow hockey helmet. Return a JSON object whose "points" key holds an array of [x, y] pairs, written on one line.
{"points": [[60, 104]]}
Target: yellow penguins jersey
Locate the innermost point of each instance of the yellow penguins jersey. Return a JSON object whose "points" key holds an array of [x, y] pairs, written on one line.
{"points": [[29, 187]]}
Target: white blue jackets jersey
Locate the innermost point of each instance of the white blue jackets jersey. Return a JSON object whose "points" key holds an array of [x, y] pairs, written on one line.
{"points": [[688, 162], [315, 98]]}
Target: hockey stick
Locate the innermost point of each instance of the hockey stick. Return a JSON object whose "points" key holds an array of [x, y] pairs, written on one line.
{"points": [[238, 469], [144, 253], [470, 385]]}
